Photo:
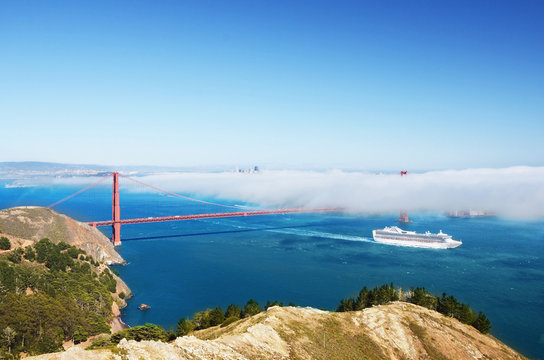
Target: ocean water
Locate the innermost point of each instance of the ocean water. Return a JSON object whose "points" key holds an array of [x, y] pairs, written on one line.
{"points": [[179, 268]]}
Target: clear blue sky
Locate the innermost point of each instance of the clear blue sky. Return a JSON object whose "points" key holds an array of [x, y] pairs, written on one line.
{"points": [[362, 84]]}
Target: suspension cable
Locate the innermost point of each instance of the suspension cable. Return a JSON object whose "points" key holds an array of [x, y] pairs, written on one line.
{"points": [[79, 192], [181, 196]]}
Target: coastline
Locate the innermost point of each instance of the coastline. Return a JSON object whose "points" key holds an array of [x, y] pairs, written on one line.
{"points": [[117, 324]]}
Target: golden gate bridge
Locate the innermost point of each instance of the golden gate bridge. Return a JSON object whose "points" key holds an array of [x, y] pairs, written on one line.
{"points": [[208, 210]]}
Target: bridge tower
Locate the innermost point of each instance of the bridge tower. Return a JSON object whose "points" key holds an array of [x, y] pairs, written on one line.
{"points": [[116, 212], [403, 217]]}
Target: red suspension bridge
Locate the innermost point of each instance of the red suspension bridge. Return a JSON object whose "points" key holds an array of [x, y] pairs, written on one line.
{"points": [[207, 210]]}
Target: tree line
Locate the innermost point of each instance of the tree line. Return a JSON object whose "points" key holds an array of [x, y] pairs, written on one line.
{"points": [[199, 321], [384, 294], [446, 305], [213, 317]]}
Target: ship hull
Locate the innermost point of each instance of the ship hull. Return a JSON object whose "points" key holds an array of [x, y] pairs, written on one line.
{"points": [[419, 243]]}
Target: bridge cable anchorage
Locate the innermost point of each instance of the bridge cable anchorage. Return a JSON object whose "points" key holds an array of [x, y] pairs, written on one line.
{"points": [[79, 192], [184, 197]]}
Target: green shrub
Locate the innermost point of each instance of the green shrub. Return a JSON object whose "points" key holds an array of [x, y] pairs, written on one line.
{"points": [[233, 311], [139, 333], [16, 255], [216, 316], [122, 295], [63, 246], [73, 252], [270, 304], [251, 308], [30, 254], [482, 323], [80, 335], [5, 244], [184, 327], [108, 280]]}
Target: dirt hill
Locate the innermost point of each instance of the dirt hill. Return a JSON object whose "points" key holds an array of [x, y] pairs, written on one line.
{"points": [[25, 225], [395, 331]]}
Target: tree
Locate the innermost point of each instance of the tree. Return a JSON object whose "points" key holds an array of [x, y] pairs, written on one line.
{"points": [[363, 300], [63, 246], [202, 319], [251, 308], [5, 244], [30, 254], [15, 256], [108, 280], [421, 297], [233, 311], [9, 337], [7, 278], [139, 333], [73, 252], [465, 314], [184, 327], [43, 248], [447, 305], [345, 305], [270, 304], [80, 335], [482, 323], [216, 316]]}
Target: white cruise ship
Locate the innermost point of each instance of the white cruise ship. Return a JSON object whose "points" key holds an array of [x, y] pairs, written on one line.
{"points": [[395, 236]]}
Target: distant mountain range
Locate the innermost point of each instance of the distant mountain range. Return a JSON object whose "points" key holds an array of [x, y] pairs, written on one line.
{"points": [[37, 168], [45, 166]]}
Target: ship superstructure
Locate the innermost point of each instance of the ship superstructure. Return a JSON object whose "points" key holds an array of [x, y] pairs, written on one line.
{"points": [[396, 236]]}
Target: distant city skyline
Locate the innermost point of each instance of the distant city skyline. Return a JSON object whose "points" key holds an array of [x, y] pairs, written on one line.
{"points": [[352, 85]]}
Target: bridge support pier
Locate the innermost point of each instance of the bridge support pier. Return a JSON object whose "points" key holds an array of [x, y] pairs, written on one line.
{"points": [[116, 212]]}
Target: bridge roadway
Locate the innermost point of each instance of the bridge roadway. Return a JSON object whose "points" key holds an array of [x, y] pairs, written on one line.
{"points": [[208, 216]]}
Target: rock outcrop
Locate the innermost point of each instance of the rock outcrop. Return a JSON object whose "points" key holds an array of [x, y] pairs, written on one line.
{"points": [[395, 331]]}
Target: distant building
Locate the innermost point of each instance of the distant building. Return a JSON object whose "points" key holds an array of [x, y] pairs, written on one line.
{"points": [[253, 170]]}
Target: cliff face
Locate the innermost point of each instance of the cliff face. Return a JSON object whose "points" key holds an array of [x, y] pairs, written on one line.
{"points": [[25, 225], [395, 331]]}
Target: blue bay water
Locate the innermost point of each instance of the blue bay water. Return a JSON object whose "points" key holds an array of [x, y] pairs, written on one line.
{"points": [[179, 268]]}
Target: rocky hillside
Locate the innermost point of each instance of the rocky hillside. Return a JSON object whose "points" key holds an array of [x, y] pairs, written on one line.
{"points": [[395, 331], [26, 225]]}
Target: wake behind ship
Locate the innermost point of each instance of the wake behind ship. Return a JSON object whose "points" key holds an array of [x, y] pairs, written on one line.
{"points": [[395, 236]]}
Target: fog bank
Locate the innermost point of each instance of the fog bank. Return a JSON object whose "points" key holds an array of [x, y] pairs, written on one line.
{"points": [[515, 192]]}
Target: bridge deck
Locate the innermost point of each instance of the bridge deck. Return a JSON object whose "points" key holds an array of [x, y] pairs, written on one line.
{"points": [[208, 216]]}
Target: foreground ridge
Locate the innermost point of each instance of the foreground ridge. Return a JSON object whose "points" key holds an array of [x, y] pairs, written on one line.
{"points": [[395, 331]]}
